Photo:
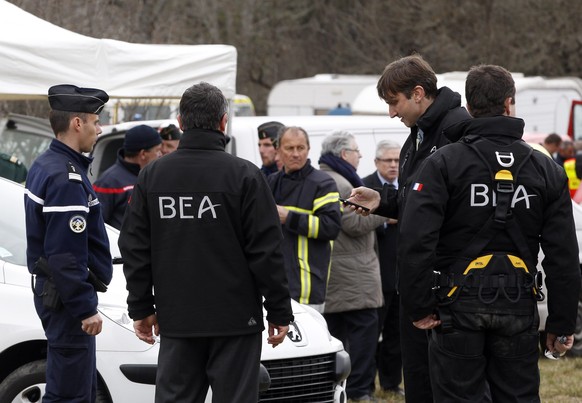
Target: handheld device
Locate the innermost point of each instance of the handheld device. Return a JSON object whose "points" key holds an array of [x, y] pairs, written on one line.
{"points": [[349, 203]]}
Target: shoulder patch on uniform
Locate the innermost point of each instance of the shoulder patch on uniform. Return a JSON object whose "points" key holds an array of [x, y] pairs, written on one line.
{"points": [[77, 224], [74, 175]]}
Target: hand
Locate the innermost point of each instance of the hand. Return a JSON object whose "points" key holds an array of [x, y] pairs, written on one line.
{"points": [[277, 334], [283, 213], [554, 345], [428, 322], [143, 328], [92, 325], [365, 197]]}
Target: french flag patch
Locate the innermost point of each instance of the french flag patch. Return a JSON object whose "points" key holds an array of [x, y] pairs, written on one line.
{"points": [[417, 186]]}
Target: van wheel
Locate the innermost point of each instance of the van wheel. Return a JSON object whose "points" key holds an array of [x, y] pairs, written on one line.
{"points": [[27, 385]]}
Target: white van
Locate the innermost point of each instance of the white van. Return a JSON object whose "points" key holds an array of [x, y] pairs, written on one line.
{"points": [[243, 143]]}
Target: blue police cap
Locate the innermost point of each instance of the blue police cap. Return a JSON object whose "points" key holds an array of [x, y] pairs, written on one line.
{"points": [[70, 98]]}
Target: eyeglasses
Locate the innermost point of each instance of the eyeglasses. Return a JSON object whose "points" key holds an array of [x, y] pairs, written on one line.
{"points": [[356, 150], [389, 160]]}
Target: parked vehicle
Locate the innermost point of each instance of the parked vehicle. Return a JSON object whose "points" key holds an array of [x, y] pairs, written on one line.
{"points": [[310, 366], [243, 136], [544, 103], [316, 95]]}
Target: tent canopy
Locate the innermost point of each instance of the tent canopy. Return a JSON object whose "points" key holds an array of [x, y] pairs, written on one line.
{"points": [[35, 54]]}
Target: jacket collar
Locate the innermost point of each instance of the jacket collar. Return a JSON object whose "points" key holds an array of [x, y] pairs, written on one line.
{"points": [[501, 125], [130, 166], [445, 100], [204, 139], [80, 159]]}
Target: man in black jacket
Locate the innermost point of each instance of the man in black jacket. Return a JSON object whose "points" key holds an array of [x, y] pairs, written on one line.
{"points": [[409, 87], [389, 356], [202, 233], [486, 203]]}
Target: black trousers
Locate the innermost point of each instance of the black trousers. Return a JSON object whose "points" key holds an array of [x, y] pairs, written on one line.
{"points": [[486, 350], [414, 345], [188, 366], [389, 356], [358, 331]]}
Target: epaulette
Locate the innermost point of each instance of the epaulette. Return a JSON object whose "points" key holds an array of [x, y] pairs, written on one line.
{"points": [[74, 176]]}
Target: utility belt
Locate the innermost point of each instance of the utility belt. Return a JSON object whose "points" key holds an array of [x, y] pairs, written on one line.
{"points": [[50, 295], [488, 278]]}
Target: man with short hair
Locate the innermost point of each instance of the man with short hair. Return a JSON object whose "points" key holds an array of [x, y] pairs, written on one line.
{"points": [[65, 236], [409, 87], [478, 213], [268, 133], [309, 211], [552, 143], [141, 145], [389, 356], [201, 244]]}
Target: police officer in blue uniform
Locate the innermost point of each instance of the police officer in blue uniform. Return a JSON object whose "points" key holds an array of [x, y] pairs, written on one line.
{"points": [[68, 249]]}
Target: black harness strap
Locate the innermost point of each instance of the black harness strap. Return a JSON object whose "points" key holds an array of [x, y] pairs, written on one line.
{"points": [[504, 163]]}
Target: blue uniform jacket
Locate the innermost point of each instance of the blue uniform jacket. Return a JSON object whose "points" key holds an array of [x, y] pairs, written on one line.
{"points": [[114, 188], [64, 225]]}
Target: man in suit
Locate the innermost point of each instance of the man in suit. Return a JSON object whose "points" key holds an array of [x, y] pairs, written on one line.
{"points": [[388, 359]]}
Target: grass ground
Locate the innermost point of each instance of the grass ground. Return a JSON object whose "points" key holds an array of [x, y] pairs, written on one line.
{"points": [[561, 382]]}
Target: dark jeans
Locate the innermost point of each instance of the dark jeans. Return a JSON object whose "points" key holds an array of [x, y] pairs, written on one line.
{"points": [[481, 348], [414, 345], [389, 357], [188, 366], [358, 331]]}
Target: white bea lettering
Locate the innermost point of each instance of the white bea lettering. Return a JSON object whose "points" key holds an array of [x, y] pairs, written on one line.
{"points": [[167, 209], [482, 196], [183, 207]]}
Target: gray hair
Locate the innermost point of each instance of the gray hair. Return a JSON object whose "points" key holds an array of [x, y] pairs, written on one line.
{"points": [[202, 107], [336, 142], [386, 145]]}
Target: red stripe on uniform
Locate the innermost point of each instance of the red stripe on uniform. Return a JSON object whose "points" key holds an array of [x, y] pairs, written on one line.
{"points": [[112, 190]]}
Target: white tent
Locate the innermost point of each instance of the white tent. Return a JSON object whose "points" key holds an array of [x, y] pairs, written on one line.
{"points": [[35, 54]]}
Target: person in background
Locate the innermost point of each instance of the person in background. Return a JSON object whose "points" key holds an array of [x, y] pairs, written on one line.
{"points": [[388, 357], [309, 212], [565, 152], [12, 168], [142, 144], [206, 304], [354, 291], [171, 136], [481, 303], [268, 133], [409, 87], [552, 143], [66, 235]]}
